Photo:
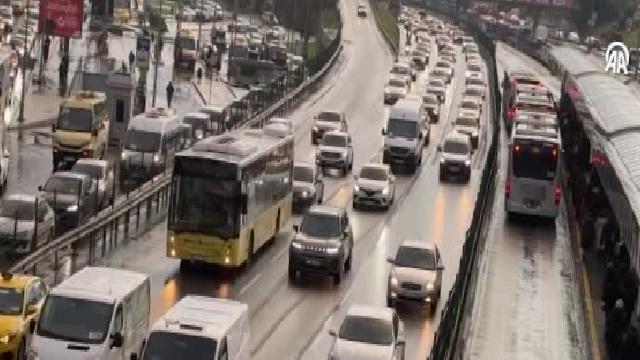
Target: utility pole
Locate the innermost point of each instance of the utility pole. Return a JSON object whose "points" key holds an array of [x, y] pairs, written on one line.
{"points": [[200, 25], [156, 60], [24, 69]]}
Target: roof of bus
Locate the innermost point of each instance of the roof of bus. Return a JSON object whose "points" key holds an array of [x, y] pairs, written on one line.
{"points": [[240, 146], [541, 131], [155, 120]]}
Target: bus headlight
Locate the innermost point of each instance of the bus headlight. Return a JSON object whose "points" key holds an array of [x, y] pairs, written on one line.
{"points": [[72, 208], [199, 134], [7, 339], [172, 239], [305, 194], [227, 255], [467, 162], [124, 155]]}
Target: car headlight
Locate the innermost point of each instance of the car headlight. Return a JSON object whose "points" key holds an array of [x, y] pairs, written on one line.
{"points": [[343, 155], [124, 155], [305, 193], [385, 191], [429, 286], [156, 158], [199, 134], [332, 250], [356, 188], [7, 339], [467, 162], [296, 245], [315, 128], [393, 281], [72, 208], [442, 161]]}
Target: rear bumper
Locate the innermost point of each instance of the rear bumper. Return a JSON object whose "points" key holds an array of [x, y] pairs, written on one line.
{"points": [[371, 200], [330, 163], [314, 264], [391, 158], [455, 169], [520, 208]]}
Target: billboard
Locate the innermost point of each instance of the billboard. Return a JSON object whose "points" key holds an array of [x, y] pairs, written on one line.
{"points": [[61, 17]]}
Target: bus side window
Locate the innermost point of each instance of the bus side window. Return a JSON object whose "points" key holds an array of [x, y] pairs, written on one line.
{"points": [[119, 110]]}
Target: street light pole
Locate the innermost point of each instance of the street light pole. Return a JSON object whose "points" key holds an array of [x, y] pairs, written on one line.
{"points": [[24, 67]]}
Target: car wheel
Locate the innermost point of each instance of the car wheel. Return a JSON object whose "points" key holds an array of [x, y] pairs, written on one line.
{"points": [[345, 170], [390, 302], [347, 264], [337, 277]]}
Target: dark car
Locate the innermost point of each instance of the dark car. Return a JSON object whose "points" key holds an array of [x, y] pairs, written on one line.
{"points": [[74, 198], [323, 244]]}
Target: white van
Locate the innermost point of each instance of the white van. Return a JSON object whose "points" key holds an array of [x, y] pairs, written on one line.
{"points": [[406, 134], [149, 144], [98, 313], [199, 328]]}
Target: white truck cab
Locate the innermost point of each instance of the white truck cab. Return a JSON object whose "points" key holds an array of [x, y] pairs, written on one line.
{"points": [[97, 313], [406, 134], [199, 328]]}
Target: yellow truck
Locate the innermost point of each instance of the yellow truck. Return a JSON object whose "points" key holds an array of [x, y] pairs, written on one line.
{"points": [[81, 130]]}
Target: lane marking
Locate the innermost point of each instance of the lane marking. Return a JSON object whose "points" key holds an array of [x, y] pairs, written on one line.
{"points": [[281, 253], [250, 283]]}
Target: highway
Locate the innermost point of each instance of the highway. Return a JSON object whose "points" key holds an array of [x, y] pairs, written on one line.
{"points": [[291, 321], [528, 304]]}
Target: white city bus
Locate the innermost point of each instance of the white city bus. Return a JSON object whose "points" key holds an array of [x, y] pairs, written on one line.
{"points": [[532, 186]]}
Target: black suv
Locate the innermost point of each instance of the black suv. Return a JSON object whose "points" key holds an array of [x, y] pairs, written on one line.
{"points": [[323, 244]]}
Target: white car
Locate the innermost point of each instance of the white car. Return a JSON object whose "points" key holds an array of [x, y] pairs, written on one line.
{"points": [[308, 185], [374, 186], [437, 87], [467, 124], [335, 151], [474, 66], [402, 69], [442, 72], [416, 274], [101, 171], [18, 226], [574, 37], [471, 105], [473, 75], [282, 121], [395, 89], [475, 90], [447, 64], [455, 156], [369, 332], [362, 10]]}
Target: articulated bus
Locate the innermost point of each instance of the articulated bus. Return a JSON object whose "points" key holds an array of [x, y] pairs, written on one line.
{"points": [[532, 186], [231, 194]]}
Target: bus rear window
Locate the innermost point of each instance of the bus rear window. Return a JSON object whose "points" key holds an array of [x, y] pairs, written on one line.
{"points": [[525, 81], [534, 160], [535, 107]]}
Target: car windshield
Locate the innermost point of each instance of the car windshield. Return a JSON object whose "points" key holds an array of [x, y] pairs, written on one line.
{"points": [[188, 43], [430, 100], [74, 119], [436, 83], [145, 141], [402, 70], [455, 147], [474, 67], [329, 116], [77, 320], [473, 91], [475, 81], [469, 105], [373, 173], [62, 185], [10, 301], [334, 140], [18, 209], [95, 171], [366, 330], [402, 128], [321, 225], [466, 121], [443, 64], [416, 258], [303, 173], [169, 346], [397, 83]]}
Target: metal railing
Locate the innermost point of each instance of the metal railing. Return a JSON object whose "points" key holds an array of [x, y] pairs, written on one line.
{"points": [[133, 213], [449, 342]]}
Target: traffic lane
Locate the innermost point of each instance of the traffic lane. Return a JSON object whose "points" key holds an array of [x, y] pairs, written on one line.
{"points": [[507, 58], [296, 324], [527, 288]]}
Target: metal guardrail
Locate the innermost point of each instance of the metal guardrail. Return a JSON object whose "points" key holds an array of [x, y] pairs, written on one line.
{"points": [[393, 45], [449, 342], [101, 232]]}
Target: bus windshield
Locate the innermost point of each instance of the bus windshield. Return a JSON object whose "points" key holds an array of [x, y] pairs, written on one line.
{"points": [[207, 205], [534, 160], [75, 119]]}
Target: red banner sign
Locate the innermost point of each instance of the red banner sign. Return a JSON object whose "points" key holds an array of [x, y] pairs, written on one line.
{"points": [[61, 17]]}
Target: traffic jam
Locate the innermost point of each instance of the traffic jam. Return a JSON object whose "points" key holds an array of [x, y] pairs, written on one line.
{"points": [[233, 192]]}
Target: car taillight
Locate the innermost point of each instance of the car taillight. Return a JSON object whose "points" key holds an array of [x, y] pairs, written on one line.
{"points": [[87, 153], [558, 194], [511, 112], [507, 189]]}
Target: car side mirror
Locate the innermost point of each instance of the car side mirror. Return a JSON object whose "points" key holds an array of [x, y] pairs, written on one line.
{"points": [[296, 228], [384, 132], [40, 188], [391, 260], [439, 148], [32, 309], [333, 333], [440, 268], [116, 340]]}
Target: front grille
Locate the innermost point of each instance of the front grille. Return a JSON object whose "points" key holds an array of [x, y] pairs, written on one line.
{"points": [[399, 150], [330, 155], [411, 286]]}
